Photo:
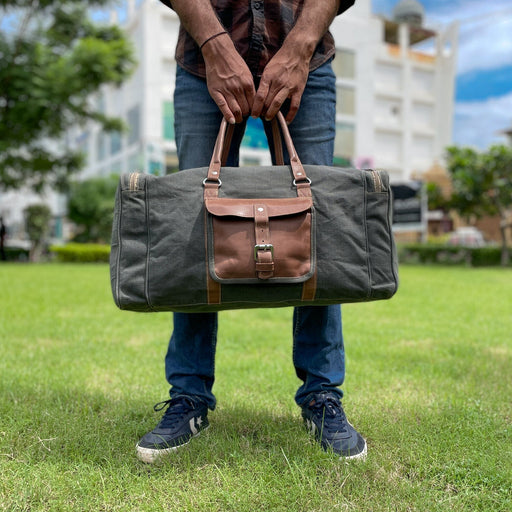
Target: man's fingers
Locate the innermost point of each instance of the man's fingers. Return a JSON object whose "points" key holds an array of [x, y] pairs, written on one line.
{"points": [[294, 107], [224, 107], [276, 103], [259, 99]]}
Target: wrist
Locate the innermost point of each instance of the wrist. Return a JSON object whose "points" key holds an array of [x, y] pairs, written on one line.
{"points": [[219, 47], [300, 45], [211, 38]]}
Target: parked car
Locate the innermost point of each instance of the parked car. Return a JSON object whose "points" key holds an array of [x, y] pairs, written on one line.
{"points": [[467, 237]]}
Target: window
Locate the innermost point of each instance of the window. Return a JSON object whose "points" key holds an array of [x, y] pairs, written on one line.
{"points": [[82, 142], [388, 145], [423, 147], [345, 100], [388, 76], [168, 120], [101, 146], [135, 162], [115, 143], [423, 115], [423, 81], [344, 143], [133, 118], [343, 64], [388, 110]]}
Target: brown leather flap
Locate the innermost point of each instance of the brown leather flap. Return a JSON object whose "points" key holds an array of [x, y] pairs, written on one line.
{"points": [[222, 207]]}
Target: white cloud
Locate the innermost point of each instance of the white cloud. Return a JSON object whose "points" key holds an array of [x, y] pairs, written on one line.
{"points": [[485, 31], [485, 46], [478, 123]]}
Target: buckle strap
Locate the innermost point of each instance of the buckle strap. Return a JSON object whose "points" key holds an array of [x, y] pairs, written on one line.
{"points": [[263, 249]]}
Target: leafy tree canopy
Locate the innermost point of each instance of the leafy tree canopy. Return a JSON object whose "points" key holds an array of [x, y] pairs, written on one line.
{"points": [[37, 226], [52, 59], [482, 185], [482, 181], [90, 207]]}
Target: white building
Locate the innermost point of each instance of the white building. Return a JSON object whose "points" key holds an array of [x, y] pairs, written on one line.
{"points": [[395, 95], [395, 101]]}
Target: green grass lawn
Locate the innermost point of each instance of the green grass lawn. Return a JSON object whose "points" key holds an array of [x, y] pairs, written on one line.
{"points": [[428, 383]]}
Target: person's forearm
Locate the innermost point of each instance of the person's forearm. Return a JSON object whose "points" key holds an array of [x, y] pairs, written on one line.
{"points": [[229, 80], [311, 25], [198, 18]]}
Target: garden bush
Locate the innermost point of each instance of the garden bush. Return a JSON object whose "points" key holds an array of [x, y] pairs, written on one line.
{"points": [[450, 255], [16, 253], [81, 253]]}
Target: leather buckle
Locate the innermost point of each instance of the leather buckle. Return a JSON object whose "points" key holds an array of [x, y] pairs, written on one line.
{"points": [[263, 247]]}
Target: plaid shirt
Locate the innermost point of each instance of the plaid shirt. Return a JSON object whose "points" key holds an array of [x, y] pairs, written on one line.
{"points": [[258, 29]]}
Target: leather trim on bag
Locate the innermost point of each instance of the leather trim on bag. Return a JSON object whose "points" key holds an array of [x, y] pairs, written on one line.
{"points": [[309, 289], [240, 253]]}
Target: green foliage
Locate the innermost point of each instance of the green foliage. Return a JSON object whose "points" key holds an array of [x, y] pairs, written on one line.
{"points": [[81, 253], [50, 65], [450, 255], [90, 207], [37, 226], [37, 221], [16, 253], [436, 200], [482, 182]]}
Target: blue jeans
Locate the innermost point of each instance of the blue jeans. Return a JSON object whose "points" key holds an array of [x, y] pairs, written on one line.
{"points": [[318, 353]]}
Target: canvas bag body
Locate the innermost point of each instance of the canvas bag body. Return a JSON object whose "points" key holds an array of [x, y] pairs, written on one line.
{"points": [[160, 257]]}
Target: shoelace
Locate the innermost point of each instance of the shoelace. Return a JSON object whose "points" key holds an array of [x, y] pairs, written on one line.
{"points": [[176, 409], [328, 409]]}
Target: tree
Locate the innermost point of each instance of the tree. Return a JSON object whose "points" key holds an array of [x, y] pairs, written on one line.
{"points": [[436, 198], [51, 62], [90, 207], [482, 185], [37, 226]]}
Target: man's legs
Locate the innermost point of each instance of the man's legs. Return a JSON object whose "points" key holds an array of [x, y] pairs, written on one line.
{"points": [[190, 359], [318, 352], [318, 344], [317, 333]]}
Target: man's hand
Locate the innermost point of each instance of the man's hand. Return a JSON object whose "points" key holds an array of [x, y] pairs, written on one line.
{"points": [[284, 77], [229, 80], [286, 74]]}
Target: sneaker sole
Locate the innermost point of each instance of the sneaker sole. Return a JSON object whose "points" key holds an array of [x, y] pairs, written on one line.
{"points": [[152, 455], [359, 456]]}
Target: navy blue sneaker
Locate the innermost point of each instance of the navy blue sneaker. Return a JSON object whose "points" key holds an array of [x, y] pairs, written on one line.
{"points": [[183, 419], [325, 419]]}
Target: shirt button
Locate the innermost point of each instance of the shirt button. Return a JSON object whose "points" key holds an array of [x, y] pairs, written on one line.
{"points": [[258, 5]]}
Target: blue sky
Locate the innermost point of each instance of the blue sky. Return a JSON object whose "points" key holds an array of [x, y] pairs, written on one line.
{"points": [[483, 98]]}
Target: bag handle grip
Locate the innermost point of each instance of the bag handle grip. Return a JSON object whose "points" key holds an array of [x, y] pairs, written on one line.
{"points": [[276, 139], [300, 179]]}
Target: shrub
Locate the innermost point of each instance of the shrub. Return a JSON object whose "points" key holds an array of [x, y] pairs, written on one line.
{"points": [[486, 256], [81, 253], [450, 255], [16, 253]]}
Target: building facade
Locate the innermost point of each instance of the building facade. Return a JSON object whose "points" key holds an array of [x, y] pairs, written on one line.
{"points": [[395, 85]]}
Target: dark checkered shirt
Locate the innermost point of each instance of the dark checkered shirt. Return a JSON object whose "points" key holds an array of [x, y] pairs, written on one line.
{"points": [[258, 29]]}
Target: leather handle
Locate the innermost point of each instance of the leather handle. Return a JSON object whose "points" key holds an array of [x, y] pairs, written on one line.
{"points": [[300, 179], [276, 139]]}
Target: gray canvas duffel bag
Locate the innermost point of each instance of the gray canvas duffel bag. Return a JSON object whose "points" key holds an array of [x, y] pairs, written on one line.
{"points": [[217, 238]]}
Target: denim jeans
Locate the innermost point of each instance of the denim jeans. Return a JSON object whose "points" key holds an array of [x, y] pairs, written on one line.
{"points": [[318, 352]]}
